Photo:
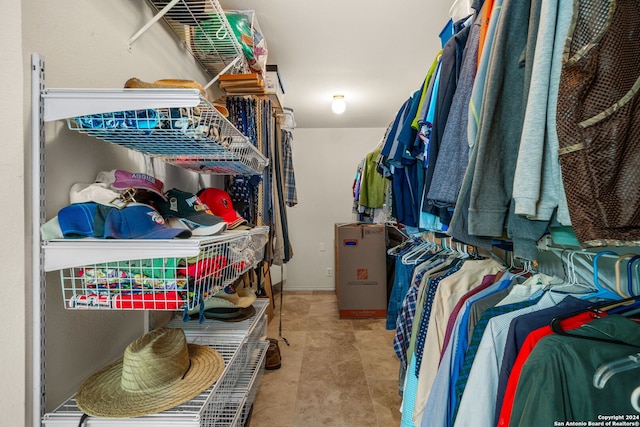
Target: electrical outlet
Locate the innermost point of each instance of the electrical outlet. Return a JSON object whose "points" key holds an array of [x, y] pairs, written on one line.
{"points": [[329, 271], [323, 247]]}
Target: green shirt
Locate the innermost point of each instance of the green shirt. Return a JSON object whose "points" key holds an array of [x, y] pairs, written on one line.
{"points": [[372, 184], [556, 382]]}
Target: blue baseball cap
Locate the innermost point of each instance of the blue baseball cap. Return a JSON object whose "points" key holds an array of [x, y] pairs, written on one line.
{"points": [[139, 221], [83, 220]]}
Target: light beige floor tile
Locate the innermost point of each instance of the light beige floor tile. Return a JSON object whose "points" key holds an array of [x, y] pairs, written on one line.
{"points": [[274, 405], [386, 401], [291, 358], [368, 324], [378, 358], [320, 403], [327, 307], [335, 372], [324, 323], [289, 321]]}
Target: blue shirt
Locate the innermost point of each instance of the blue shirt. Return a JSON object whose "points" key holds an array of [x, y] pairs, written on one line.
{"points": [[401, 281]]}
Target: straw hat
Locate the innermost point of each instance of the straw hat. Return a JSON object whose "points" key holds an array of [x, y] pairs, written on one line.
{"points": [[159, 371]]}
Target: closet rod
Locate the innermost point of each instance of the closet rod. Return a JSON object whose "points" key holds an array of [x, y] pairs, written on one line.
{"points": [[565, 252], [592, 256]]}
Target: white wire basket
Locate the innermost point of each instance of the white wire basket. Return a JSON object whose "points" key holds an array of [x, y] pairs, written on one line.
{"points": [[256, 243], [254, 246], [213, 407], [197, 138], [203, 28], [167, 283], [166, 275], [211, 330]]}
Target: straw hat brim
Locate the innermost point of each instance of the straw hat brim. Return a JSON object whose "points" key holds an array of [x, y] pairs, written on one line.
{"points": [[101, 394]]}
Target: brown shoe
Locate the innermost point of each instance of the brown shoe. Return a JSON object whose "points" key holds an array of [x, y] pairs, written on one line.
{"points": [[273, 360]]}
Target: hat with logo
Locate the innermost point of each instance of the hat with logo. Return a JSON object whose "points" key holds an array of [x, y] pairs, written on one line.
{"points": [[220, 204], [121, 180], [158, 371], [139, 221], [189, 212]]}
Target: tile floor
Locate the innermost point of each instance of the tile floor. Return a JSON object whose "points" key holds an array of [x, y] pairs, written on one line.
{"points": [[335, 372]]}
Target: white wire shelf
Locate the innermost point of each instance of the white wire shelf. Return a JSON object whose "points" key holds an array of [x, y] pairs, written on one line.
{"points": [[210, 330], [177, 126], [210, 408], [202, 26], [255, 327], [168, 275]]}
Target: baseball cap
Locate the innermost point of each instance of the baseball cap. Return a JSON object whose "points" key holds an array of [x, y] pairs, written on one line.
{"points": [[98, 192], [119, 179], [83, 220], [185, 210], [139, 221], [220, 204], [195, 228]]}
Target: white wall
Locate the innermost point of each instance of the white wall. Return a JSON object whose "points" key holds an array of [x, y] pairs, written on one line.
{"points": [[12, 225], [325, 162]]}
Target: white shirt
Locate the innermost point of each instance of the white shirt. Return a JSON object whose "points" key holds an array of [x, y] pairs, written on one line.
{"points": [[477, 407]]}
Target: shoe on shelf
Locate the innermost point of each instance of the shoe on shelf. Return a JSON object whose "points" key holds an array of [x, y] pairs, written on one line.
{"points": [[274, 359]]}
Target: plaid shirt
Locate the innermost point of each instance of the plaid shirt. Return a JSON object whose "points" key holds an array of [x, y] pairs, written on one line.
{"points": [[426, 313], [404, 321], [476, 337]]}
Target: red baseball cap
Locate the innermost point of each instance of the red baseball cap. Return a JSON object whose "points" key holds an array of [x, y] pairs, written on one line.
{"points": [[219, 202]]}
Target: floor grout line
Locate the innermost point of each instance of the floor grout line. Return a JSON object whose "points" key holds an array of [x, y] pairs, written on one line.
{"points": [[293, 326]]}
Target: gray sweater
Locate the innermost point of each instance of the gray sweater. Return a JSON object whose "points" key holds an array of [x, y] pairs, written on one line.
{"points": [[491, 210]]}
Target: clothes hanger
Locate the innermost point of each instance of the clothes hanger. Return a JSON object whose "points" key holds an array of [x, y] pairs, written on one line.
{"points": [[635, 399], [617, 270], [596, 309], [462, 251], [630, 275], [414, 255], [399, 248], [606, 371], [403, 233], [572, 280], [425, 245], [602, 292], [513, 268]]}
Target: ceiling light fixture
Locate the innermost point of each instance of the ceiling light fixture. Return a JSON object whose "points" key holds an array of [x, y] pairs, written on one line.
{"points": [[338, 105]]}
